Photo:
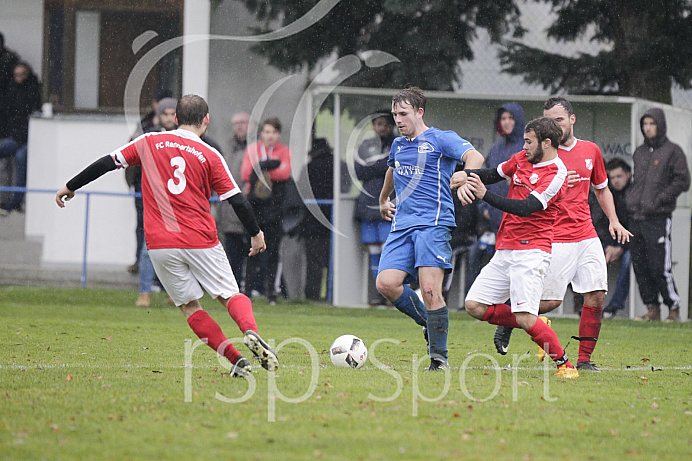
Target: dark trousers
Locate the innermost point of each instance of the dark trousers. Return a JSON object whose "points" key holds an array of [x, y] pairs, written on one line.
{"points": [[237, 247], [651, 258], [317, 259], [261, 269]]}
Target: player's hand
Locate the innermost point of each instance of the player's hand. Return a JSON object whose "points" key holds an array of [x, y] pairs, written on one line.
{"points": [[572, 178], [613, 253], [465, 194], [387, 210], [458, 180], [477, 185], [63, 196], [619, 233], [257, 244]]}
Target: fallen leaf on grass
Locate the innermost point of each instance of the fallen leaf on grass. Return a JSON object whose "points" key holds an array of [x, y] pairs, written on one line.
{"points": [[613, 433], [69, 378], [654, 405], [644, 360], [644, 378]]}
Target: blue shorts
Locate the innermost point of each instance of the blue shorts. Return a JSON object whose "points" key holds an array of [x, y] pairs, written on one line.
{"points": [[374, 231], [415, 247]]}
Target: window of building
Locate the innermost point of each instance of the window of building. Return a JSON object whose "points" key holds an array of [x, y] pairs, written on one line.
{"points": [[88, 54]]}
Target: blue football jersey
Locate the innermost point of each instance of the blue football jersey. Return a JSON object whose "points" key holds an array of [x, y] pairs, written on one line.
{"points": [[423, 167]]}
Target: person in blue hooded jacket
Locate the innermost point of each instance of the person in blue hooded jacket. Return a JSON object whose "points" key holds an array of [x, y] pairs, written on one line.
{"points": [[509, 123]]}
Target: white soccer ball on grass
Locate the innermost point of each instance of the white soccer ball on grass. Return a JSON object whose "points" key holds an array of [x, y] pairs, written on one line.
{"points": [[348, 351]]}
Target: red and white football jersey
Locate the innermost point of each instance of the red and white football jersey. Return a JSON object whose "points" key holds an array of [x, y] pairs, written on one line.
{"points": [[574, 223], [179, 172], [546, 182]]}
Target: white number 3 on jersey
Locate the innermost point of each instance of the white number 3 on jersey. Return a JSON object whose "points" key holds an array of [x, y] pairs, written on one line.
{"points": [[178, 163]]}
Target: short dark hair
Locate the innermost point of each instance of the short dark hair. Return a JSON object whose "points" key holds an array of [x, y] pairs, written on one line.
{"points": [[273, 121], [383, 113], [545, 128], [411, 95], [558, 101], [191, 110], [617, 162]]}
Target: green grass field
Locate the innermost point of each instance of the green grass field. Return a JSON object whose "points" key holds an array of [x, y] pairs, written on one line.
{"points": [[86, 375]]}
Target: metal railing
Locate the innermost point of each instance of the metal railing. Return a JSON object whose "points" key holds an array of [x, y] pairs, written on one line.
{"points": [[88, 194]]}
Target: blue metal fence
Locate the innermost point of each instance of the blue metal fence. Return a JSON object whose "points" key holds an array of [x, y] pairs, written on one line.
{"points": [[88, 194]]}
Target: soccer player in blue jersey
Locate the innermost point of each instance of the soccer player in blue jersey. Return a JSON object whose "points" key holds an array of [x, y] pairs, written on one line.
{"points": [[421, 163]]}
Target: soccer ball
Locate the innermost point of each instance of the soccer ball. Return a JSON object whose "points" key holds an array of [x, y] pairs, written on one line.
{"points": [[348, 351]]}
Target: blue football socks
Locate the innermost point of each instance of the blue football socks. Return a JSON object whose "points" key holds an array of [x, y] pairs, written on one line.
{"points": [[438, 325], [410, 304]]}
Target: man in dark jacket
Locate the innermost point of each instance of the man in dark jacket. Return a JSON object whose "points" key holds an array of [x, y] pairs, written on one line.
{"points": [[619, 179], [371, 166], [660, 176], [24, 97]]}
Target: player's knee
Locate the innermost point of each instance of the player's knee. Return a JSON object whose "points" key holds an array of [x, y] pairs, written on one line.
{"points": [[594, 298], [475, 309], [387, 287], [548, 305]]}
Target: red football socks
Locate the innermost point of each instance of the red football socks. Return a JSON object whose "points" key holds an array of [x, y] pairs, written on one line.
{"points": [[589, 327], [501, 314], [240, 310], [546, 338], [206, 327]]}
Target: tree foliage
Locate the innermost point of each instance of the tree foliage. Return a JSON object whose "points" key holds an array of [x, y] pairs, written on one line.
{"points": [[430, 38], [646, 46]]}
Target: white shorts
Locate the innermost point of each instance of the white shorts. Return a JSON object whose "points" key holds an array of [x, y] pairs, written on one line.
{"points": [[184, 272], [580, 263], [514, 274]]}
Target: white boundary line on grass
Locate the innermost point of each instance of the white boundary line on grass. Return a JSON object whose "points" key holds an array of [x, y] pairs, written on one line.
{"points": [[15, 366]]}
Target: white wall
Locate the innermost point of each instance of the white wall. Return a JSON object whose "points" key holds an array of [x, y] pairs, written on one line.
{"points": [[196, 55], [21, 22], [59, 148]]}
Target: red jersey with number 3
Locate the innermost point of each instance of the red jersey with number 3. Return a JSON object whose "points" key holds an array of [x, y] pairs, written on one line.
{"points": [[574, 223], [179, 173], [546, 182]]}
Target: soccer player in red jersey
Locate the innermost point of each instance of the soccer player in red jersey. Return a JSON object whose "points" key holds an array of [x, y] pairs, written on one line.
{"points": [[578, 256], [524, 239], [179, 173]]}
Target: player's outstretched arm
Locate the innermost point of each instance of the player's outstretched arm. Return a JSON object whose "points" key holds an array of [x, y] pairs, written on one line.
{"points": [[88, 174], [617, 230], [514, 206]]}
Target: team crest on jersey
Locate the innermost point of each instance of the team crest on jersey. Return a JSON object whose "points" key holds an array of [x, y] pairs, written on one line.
{"points": [[589, 163], [533, 179], [397, 164], [425, 148]]}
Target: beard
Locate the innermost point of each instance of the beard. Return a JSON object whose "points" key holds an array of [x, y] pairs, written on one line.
{"points": [[537, 156], [565, 137]]}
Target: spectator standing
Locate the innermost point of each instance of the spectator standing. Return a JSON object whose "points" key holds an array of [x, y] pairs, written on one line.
{"points": [[166, 122], [371, 167], [180, 171], [660, 175], [235, 239], [316, 236], [8, 60], [266, 169], [619, 174], [23, 98]]}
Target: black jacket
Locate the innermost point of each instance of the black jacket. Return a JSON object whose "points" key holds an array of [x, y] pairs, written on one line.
{"points": [[22, 99], [601, 222], [371, 167], [660, 174]]}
